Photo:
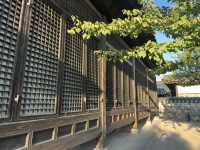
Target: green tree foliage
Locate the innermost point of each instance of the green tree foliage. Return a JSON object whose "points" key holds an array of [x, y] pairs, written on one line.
{"points": [[188, 68], [180, 21]]}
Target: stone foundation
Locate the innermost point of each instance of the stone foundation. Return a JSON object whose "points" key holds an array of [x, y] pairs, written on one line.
{"points": [[180, 108]]}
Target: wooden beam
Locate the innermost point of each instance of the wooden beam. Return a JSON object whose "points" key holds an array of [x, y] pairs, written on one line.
{"points": [[93, 8], [23, 127]]}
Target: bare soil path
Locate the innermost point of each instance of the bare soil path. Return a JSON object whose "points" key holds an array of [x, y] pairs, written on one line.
{"points": [[161, 135]]}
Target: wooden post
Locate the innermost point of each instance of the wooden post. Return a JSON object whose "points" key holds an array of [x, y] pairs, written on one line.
{"points": [[126, 86], [135, 125], [102, 75], [102, 100], [114, 86], [131, 88], [121, 77], [29, 140], [149, 101], [127, 89], [55, 134], [147, 92]]}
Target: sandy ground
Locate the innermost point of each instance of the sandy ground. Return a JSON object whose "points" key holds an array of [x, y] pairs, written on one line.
{"points": [[161, 135]]}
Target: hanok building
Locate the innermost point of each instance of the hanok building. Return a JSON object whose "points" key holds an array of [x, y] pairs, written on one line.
{"points": [[54, 92]]}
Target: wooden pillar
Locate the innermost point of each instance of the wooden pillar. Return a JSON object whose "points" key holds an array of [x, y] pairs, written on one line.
{"points": [[126, 86], [128, 90], [148, 96], [131, 88], [114, 85], [121, 77], [103, 117], [102, 100], [135, 96], [29, 140]]}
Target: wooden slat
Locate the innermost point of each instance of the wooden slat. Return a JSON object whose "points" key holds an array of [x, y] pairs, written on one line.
{"points": [[69, 141], [119, 111]]}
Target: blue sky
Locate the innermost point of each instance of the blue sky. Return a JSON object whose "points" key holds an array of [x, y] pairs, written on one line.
{"points": [[162, 3], [160, 37]]}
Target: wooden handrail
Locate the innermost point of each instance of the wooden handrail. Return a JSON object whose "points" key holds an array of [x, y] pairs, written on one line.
{"points": [[150, 97]]}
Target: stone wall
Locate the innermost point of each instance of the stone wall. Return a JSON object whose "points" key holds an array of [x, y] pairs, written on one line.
{"points": [[180, 108]]}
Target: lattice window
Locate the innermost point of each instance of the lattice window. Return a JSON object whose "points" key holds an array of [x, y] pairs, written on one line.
{"points": [[119, 86], [9, 23], [83, 10], [92, 93], [73, 77], [152, 88], [109, 85], [41, 66], [141, 78], [139, 89]]}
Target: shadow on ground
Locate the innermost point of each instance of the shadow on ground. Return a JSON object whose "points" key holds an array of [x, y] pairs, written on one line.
{"points": [[161, 135]]}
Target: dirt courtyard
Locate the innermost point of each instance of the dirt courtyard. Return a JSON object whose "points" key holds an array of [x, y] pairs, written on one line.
{"points": [[161, 135]]}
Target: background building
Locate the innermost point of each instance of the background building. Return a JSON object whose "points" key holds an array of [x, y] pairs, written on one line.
{"points": [[188, 91]]}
